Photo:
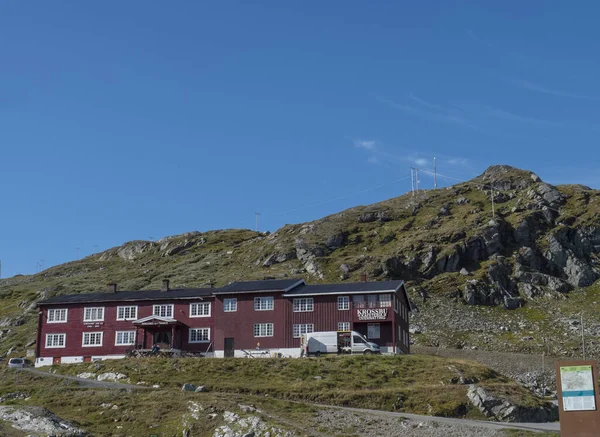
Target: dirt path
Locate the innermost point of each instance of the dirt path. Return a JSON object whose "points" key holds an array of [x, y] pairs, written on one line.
{"points": [[87, 383]]}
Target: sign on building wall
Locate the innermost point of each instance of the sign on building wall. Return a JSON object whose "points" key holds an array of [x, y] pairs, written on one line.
{"points": [[577, 388], [372, 314]]}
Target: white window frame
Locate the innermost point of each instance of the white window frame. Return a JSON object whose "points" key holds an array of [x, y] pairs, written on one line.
{"points": [[207, 330], [129, 334], [127, 310], [298, 329], [199, 305], [169, 306], [230, 305], [387, 303], [91, 310], [343, 303], [56, 335], [342, 325], [264, 330], [269, 302], [90, 334], [303, 305], [54, 311], [378, 325]]}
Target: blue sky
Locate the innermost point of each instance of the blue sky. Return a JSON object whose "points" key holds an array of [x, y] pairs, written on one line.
{"points": [[130, 120]]}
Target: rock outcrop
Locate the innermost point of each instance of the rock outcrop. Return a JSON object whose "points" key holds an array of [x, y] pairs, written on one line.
{"points": [[38, 421]]}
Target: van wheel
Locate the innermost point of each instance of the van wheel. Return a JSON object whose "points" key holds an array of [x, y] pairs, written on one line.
{"points": [[368, 352], [317, 354]]}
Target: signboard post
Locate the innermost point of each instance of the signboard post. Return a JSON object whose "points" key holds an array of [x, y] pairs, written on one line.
{"points": [[578, 398]]}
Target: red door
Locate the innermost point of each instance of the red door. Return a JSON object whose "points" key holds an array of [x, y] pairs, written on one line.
{"points": [[87, 359], [55, 361]]}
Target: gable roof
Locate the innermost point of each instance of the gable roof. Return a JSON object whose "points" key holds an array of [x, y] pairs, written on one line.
{"points": [[155, 320], [130, 296], [267, 285], [348, 288]]}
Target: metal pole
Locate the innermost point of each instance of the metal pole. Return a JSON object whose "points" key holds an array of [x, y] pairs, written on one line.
{"points": [[412, 181], [582, 337], [434, 174]]}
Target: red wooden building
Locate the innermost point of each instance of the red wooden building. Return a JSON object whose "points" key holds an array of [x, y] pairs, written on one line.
{"points": [[264, 317]]}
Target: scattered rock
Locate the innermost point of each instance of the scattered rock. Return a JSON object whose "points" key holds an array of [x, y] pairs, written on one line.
{"points": [[202, 389], [111, 376], [188, 387], [40, 421]]}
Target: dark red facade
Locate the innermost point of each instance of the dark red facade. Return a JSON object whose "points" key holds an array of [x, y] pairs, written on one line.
{"points": [[377, 310]]}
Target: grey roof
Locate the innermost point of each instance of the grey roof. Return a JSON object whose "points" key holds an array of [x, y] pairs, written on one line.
{"points": [[185, 293], [260, 286], [351, 287]]}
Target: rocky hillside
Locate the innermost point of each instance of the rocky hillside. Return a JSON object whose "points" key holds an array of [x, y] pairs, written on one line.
{"points": [[515, 278]]}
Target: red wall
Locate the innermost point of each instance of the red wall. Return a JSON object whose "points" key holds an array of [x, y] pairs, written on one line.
{"points": [[75, 327], [240, 324]]}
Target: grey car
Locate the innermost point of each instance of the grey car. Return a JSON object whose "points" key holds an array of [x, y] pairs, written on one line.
{"points": [[16, 363]]}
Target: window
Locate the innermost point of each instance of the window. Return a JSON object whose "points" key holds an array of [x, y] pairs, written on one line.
{"points": [[230, 305], [373, 330], [343, 326], [343, 303], [371, 301], [359, 301], [263, 303], [302, 329], [200, 309], [127, 313], [199, 335], [93, 314], [56, 340], [92, 339], [125, 338], [357, 340], [163, 310], [263, 330], [385, 300], [304, 305], [57, 316]]}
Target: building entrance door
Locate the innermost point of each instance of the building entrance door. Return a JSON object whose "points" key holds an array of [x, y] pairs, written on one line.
{"points": [[162, 339], [229, 348]]}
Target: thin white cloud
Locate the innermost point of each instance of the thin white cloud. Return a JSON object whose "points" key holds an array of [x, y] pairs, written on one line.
{"points": [[373, 160], [458, 161], [421, 162], [428, 110], [536, 87], [511, 116], [364, 144]]}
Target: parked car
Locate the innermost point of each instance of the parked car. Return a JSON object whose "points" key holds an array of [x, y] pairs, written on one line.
{"points": [[16, 363]]}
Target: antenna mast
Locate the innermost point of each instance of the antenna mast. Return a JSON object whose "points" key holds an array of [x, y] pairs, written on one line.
{"points": [[412, 181], [434, 174]]}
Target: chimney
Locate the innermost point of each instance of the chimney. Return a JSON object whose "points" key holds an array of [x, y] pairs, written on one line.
{"points": [[165, 285], [363, 277], [111, 287]]}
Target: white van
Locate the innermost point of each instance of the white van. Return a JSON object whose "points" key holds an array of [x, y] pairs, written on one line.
{"points": [[336, 342]]}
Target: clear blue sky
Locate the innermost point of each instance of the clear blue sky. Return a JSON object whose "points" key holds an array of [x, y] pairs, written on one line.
{"points": [[135, 119]]}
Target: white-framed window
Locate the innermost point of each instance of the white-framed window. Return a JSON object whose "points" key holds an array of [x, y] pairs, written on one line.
{"points": [[406, 341], [95, 314], [263, 330], [263, 303], [396, 304], [343, 326], [199, 335], [56, 340], [343, 303], [124, 338], [373, 330], [230, 305], [127, 313], [57, 315], [92, 339], [163, 310], [201, 309], [358, 300], [304, 305], [385, 300], [303, 328]]}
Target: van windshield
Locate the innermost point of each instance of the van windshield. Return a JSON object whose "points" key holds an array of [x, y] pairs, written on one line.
{"points": [[16, 360]]}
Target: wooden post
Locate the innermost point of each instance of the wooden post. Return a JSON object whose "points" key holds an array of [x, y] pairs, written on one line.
{"points": [[172, 336]]}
